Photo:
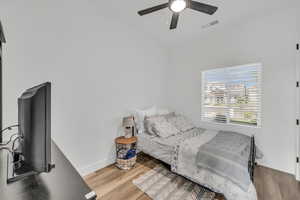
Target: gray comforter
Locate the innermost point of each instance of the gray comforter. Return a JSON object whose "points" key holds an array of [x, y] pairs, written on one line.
{"points": [[227, 154], [187, 162]]}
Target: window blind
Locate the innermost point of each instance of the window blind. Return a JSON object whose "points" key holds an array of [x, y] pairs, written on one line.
{"points": [[232, 95]]}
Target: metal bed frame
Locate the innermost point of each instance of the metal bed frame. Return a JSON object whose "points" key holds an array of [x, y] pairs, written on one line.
{"points": [[252, 156]]}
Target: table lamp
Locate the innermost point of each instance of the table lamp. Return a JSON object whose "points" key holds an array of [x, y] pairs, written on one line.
{"points": [[129, 126]]}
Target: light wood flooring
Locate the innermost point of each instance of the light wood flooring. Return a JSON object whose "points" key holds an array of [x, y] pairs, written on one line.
{"points": [[111, 183]]}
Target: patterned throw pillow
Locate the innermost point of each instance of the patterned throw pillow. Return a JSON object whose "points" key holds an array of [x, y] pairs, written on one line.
{"points": [[169, 115], [181, 122], [164, 129], [150, 121]]}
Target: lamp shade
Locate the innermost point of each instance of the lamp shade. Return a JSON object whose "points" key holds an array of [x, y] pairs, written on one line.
{"points": [[128, 121], [2, 37]]}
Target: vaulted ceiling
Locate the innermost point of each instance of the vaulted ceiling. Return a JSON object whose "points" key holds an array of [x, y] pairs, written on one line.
{"points": [[190, 22]]}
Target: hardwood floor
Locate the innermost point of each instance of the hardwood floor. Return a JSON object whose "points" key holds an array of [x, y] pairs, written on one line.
{"points": [[110, 183]]}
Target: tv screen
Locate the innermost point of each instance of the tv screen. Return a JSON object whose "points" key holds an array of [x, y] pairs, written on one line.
{"points": [[34, 113]]}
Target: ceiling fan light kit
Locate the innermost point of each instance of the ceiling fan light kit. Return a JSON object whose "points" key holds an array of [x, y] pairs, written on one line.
{"points": [[177, 6]]}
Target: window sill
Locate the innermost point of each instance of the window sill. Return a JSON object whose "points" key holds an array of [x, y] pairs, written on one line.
{"points": [[230, 125]]}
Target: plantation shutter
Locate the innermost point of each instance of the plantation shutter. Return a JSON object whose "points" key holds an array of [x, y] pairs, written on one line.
{"points": [[232, 95]]}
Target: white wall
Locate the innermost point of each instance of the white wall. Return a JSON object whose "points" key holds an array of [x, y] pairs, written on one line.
{"points": [[269, 40], [100, 70]]}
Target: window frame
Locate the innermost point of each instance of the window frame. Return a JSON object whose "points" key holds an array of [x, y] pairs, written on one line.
{"points": [[228, 123]]}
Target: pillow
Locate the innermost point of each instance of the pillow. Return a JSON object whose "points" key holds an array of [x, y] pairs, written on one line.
{"points": [[162, 111], [170, 115], [181, 123], [150, 121], [140, 117], [164, 129]]}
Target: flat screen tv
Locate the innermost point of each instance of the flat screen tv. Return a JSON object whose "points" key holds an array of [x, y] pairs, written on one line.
{"points": [[34, 113]]}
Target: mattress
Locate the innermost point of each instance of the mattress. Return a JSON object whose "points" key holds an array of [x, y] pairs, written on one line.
{"points": [[151, 145], [158, 147]]}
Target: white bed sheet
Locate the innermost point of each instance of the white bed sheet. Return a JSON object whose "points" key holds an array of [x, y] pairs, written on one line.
{"points": [[156, 147], [160, 148]]}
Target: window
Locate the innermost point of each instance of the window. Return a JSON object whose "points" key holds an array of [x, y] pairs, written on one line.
{"points": [[232, 95]]}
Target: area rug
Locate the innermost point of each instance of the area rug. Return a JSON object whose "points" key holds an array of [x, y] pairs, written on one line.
{"points": [[162, 184]]}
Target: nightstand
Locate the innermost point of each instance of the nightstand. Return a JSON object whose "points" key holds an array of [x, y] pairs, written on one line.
{"points": [[125, 152]]}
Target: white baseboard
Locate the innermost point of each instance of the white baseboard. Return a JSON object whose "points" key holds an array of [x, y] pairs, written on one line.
{"points": [[88, 169], [264, 164]]}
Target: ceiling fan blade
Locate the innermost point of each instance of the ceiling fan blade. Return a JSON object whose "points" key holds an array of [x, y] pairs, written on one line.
{"points": [[174, 21], [153, 9], [201, 7]]}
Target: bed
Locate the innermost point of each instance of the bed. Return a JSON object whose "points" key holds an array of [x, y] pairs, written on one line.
{"points": [[180, 151]]}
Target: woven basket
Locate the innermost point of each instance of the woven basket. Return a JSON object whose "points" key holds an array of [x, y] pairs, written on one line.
{"points": [[126, 164]]}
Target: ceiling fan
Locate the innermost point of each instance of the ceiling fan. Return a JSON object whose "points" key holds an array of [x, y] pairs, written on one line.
{"points": [[177, 6]]}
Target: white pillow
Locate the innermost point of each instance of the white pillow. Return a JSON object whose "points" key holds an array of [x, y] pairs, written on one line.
{"points": [[140, 117]]}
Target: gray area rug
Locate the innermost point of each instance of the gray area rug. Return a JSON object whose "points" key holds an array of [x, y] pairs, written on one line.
{"points": [[162, 184]]}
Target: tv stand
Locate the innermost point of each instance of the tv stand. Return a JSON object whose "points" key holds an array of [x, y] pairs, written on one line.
{"points": [[17, 169], [63, 182]]}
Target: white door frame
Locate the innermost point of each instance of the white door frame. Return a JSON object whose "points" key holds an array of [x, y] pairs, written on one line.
{"points": [[297, 172]]}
